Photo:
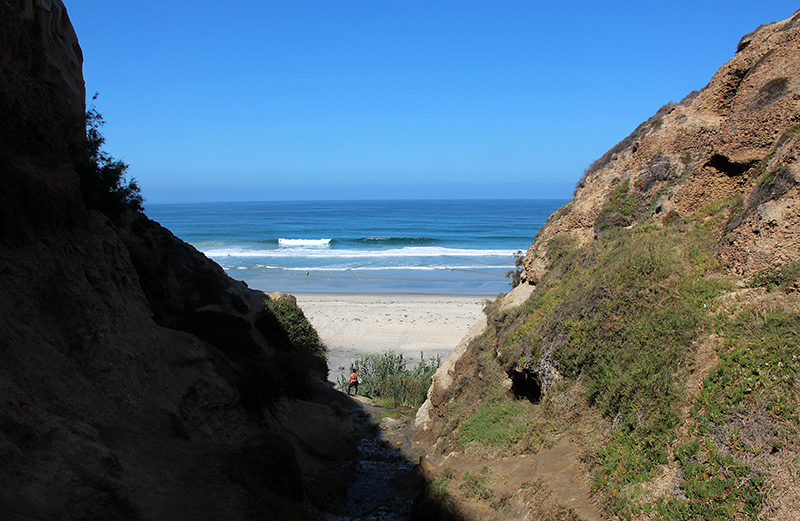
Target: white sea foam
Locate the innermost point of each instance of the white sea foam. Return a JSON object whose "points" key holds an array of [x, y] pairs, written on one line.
{"points": [[398, 268], [407, 251], [304, 243]]}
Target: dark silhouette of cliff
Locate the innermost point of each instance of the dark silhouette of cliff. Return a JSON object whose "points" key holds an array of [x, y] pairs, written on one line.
{"points": [[137, 380]]}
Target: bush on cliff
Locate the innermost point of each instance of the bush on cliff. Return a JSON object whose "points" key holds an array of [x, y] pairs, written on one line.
{"points": [[103, 183], [626, 321], [299, 350]]}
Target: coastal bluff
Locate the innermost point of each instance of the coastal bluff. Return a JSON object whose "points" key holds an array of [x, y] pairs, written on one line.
{"points": [[138, 380], [638, 376], [734, 137], [645, 368]]}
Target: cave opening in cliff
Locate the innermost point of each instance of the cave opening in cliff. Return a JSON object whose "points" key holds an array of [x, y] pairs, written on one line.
{"points": [[730, 168], [525, 385]]}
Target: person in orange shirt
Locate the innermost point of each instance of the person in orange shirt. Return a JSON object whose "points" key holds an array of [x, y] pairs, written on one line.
{"points": [[353, 382]]}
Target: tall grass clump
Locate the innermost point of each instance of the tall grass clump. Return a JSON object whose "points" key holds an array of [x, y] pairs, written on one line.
{"points": [[387, 378]]}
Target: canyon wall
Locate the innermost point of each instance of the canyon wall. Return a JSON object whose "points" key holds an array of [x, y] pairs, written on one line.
{"points": [[635, 370], [134, 371], [735, 137]]}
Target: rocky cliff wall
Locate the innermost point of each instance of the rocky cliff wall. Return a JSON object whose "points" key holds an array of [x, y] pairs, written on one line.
{"points": [[654, 304], [41, 111], [109, 408], [721, 142]]}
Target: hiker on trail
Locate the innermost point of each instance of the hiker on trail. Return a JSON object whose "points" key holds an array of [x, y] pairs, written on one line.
{"points": [[353, 382]]}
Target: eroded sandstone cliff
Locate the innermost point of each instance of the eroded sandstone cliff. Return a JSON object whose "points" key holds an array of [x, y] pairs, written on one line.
{"points": [[136, 378], [735, 137], [647, 367]]}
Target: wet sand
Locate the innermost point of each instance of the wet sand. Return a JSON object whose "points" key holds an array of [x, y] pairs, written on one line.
{"points": [[352, 324]]}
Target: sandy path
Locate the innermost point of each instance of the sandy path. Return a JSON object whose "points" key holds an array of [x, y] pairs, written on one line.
{"points": [[355, 324]]}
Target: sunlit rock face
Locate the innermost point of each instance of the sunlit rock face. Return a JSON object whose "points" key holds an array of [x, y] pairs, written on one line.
{"points": [[719, 142]]}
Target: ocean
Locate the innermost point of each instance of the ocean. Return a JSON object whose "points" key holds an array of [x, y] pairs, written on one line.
{"points": [[463, 247]]}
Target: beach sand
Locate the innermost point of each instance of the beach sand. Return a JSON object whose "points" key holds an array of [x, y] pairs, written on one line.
{"points": [[353, 324]]}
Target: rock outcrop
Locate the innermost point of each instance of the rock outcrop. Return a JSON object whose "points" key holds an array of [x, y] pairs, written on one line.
{"points": [[652, 328], [734, 138], [118, 398]]}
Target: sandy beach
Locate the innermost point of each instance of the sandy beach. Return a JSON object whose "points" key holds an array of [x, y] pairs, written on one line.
{"points": [[355, 324]]}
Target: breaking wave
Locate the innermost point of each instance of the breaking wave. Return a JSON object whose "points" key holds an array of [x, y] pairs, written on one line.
{"points": [[303, 243]]}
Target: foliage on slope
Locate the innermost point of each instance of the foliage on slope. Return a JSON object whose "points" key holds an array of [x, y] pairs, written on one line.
{"points": [[623, 327], [662, 333], [104, 186], [387, 379]]}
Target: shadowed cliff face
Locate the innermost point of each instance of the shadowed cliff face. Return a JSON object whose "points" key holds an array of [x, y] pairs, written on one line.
{"points": [[721, 142], [133, 369], [41, 113]]}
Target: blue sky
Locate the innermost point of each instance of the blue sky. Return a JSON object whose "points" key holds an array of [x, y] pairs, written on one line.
{"points": [[262, 100]]}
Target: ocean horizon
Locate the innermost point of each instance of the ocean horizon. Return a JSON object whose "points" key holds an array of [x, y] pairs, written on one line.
{"points": [[451, 246]]}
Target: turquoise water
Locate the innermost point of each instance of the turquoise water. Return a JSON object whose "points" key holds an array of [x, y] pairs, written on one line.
{"points": [[435, 247]]}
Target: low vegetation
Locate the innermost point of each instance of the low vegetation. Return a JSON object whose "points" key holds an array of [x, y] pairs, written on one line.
{"points": [[615, 332], [387, 378]]}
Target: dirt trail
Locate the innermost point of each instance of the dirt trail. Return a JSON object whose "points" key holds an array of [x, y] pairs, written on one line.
{"points": [[557, 468], [389, 476]]}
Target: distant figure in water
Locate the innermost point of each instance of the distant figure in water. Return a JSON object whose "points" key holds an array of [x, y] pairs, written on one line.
{"points": [[353, 382]]}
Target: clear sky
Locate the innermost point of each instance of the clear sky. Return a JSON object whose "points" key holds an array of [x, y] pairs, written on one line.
{"points": [[339, 99]]}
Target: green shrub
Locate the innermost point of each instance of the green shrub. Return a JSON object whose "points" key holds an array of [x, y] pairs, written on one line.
{"points": [[386, 376], [103, 182], [286, 328]]}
